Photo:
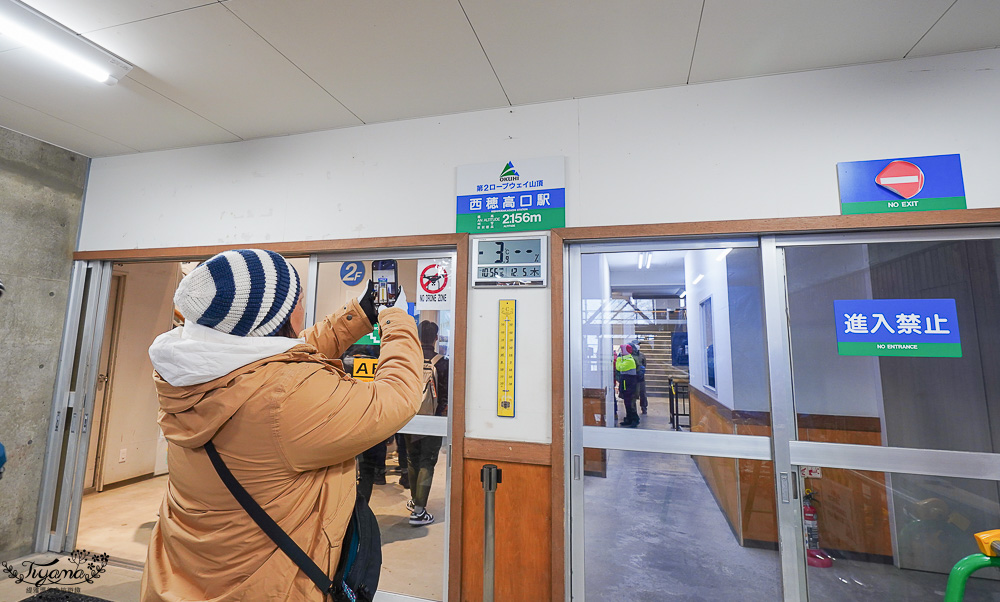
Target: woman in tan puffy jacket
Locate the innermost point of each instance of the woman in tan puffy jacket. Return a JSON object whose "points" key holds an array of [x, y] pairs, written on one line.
{"points": [[284, 417]]}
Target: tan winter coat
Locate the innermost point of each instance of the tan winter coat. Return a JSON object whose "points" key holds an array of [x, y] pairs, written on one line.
{"points": [[289, 427]]}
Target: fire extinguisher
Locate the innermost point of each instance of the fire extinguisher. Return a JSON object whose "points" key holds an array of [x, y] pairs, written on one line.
{"points": [[815, 556]]}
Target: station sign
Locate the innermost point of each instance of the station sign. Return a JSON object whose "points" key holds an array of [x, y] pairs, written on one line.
{"points": [[909, 184], [897, 327], [511, 196]]}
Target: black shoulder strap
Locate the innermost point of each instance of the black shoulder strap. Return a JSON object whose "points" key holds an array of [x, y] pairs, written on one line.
{"points": [[271, 528]]}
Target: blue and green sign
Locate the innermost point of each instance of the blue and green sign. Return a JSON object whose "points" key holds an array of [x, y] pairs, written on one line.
{"points": [[910, 184], [898, 327], [511, 196]]}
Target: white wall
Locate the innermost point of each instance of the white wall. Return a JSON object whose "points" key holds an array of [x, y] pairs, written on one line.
{"points": [[760, 147], [714, 284]]}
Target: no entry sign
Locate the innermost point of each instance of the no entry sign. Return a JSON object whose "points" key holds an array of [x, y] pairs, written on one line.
{"points": [[902, 177], [433, 284], [908, 184]]}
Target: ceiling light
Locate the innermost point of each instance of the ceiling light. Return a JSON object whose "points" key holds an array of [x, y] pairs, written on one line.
{"points": [[649, 259], [683, 294], [30, 28], [639, 267], [723, 254], [698, 279]]}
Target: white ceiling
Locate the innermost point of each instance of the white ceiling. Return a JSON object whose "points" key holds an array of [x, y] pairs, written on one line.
{"points": [[210, 72]]}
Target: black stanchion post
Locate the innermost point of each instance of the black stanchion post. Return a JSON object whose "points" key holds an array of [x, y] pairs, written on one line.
{"points": [[490, 476]]}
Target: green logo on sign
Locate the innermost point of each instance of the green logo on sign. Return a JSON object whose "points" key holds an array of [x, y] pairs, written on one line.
{"points": [[509, 174]]}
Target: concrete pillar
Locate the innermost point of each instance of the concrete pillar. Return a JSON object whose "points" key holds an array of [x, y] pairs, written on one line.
{"points": [[41, 195]]}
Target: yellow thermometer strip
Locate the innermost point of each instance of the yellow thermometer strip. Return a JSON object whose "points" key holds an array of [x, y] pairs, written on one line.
{"points": [[505, 357]]}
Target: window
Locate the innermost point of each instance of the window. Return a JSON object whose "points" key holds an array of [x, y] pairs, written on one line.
{"points": [[708, 334]]}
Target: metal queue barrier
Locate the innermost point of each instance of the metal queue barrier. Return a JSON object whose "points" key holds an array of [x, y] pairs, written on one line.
{"points": [[490, 476], [680, 404]]}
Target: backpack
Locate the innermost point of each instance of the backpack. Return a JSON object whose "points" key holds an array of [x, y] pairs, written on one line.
{"points": [[429, 404], [624, 363]]}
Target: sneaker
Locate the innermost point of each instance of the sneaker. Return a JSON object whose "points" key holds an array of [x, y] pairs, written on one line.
{"points": [[410, 506], [424, 518]]}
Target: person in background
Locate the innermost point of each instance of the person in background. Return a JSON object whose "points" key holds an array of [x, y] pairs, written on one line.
{"points": [[285, 419], [640, 375], [404, 464], [371, 462], [422, 450], [625, 375]]}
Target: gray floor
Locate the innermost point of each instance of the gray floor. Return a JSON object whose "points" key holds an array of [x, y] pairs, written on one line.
{"points": [[654, 532]]}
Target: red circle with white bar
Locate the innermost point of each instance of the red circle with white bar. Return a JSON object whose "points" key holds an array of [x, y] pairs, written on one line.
{"points": [[434, 278], [902, 177]]}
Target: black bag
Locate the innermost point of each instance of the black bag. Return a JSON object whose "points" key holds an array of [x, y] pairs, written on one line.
{"points": [[360, 554]]}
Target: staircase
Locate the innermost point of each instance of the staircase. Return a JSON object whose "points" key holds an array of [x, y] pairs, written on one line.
{"points": [[656, 346]]}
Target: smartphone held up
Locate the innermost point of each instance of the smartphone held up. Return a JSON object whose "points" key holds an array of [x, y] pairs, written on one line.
{"points": [[386, 279]]}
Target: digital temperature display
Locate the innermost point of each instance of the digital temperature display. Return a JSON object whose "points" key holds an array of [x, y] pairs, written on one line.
{"points": [[509, 271], [515, 261], [510, 251]]}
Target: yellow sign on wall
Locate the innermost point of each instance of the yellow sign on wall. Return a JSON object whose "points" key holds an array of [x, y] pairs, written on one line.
{"points": [[505, 356], [364, 368]]}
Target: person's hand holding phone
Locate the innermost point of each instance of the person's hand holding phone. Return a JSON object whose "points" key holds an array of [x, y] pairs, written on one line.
{"points": [[386, 277]]}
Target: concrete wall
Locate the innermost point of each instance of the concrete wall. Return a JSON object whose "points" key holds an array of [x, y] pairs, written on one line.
{"points": [[41, 192]]}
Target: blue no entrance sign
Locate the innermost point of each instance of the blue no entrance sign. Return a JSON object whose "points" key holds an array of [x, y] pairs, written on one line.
{"points": [[898, 327]]}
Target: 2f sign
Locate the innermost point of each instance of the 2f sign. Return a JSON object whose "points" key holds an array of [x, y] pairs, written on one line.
{"points": [[352, 272]]}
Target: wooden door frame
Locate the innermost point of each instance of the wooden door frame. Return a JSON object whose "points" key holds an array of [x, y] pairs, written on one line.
{"points": [[115, 315]]}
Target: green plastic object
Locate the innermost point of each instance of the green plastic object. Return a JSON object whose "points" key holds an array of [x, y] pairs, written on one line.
{"points": [[961, 572]]}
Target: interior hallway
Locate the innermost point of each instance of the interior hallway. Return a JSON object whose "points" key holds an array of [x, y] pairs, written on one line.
{"points": [[654, 532]]}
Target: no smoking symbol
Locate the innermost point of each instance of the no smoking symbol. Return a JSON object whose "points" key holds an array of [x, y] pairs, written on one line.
{"points": [[434, 278]]}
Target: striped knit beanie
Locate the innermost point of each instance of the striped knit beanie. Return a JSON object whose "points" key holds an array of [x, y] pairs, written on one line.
{"points": [[246, 292]]}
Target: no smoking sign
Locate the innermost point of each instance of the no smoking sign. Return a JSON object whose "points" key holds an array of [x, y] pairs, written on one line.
{"points": [[433, 284]]}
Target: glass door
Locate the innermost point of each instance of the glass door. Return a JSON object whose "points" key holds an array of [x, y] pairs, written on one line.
{"points": [[884, 355], [671, 484], [413, 467]]}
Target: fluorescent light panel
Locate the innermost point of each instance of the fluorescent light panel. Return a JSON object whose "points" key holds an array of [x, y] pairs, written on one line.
{"points": [[698, 279], [723, 254], [32, 29]]}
